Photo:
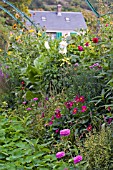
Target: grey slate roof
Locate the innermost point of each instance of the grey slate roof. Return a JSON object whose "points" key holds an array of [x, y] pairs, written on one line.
{"points": [[55, 22]]}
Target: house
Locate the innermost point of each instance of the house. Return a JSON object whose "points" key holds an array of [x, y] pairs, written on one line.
{"points": [[58, 23]]}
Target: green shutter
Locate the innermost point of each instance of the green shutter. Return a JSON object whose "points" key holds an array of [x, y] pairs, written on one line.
{"points": [[58, 35]]}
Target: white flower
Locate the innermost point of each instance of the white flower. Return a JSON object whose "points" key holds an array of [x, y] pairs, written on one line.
{"points": [[47, 45], [63, 47], [63, 44]]}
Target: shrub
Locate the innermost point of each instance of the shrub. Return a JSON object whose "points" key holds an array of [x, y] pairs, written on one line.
{"points": [[97, 150]]}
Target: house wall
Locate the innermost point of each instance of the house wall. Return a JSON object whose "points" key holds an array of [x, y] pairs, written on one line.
{"points": [[64, 33]]}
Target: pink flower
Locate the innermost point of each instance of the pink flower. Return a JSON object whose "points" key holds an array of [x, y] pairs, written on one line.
{"points": [[109, 108], [35, 99], [80, 48], [68, 104], [50, 123], [65, 132], [42, 115], [52, 118], [82, 99], [86, 44], [57, 130], [77, 99], [77, 159], [58, 115], [60, 154], [95, 40], [75, 110], [57, 111], [107, 25], [24, 102], [89, 128], [84, 108], [28, 108]]}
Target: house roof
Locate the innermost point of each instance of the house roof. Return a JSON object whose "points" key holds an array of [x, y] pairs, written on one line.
{"points": [[52, 21]]}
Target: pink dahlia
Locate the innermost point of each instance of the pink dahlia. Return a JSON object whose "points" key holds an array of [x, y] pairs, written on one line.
{"points": [[60, 154], [77, 159], [65, 132]]}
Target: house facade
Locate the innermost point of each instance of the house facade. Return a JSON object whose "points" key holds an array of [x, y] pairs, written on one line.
{"points": [[58, 23]]}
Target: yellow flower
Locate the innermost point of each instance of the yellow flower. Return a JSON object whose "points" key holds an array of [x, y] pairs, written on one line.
{"points": [[18, 37], [14, 27], [9, 52], [65, 60], [39, 34], [0, 49], [17, 15], [31, 30], [111, 22]]}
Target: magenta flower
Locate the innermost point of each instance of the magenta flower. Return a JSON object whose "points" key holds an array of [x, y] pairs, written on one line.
{"points": [[86, 44], [75, 110], [50, 123], [80, 48], [77, 159], [57, 130], [84, 108], [28, 108], [89, 128], [69, 104], [58, 115], [82, 99], [77, 99], [95, 40], [65, 132], [52, 118], [60, 154], [35, 99]]}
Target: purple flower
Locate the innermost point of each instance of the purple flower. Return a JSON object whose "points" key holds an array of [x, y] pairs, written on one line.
{"points": [[60, 154], [28, 108], [65, 132], [77, 159], [35, 99], [96, 64], [76, 64]]}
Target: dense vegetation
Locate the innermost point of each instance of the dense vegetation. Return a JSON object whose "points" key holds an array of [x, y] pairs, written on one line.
{"points": [[56, 99]]}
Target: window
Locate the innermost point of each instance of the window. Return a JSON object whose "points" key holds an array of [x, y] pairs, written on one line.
{"points": [[44, 19], [58, 35], [67, 19]]}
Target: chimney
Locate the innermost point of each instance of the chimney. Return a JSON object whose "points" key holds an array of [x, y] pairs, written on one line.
{"points": [[59, 8]]}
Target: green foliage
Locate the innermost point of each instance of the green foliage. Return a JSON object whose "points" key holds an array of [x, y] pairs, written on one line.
{"points": [[97, 149], [18, 150]]}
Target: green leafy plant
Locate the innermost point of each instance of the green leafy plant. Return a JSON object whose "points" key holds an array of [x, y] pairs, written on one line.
{"points": [[97, 149]]}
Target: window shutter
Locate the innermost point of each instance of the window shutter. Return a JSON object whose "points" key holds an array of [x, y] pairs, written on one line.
{"points": [[58, 35]]}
